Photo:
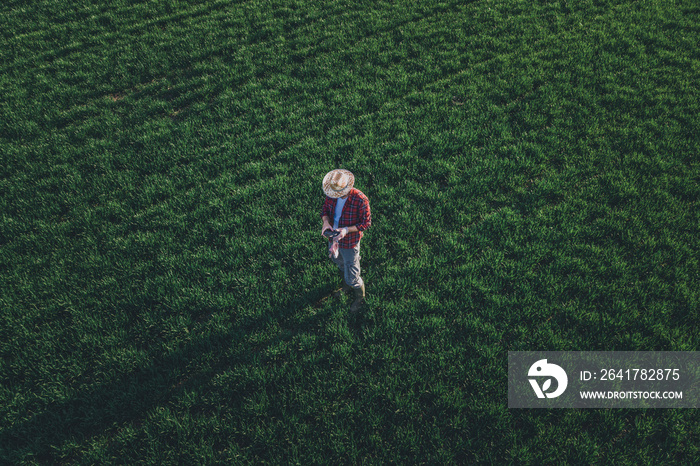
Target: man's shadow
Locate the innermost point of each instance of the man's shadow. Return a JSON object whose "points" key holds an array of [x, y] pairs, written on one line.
{"points": [[132, 396]]}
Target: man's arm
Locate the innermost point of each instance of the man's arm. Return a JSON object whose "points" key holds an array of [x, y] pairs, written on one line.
{"points": [[365, 216], [325, 216]]}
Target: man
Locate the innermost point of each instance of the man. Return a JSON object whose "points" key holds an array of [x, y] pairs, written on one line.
{"points": [[346, 210]]}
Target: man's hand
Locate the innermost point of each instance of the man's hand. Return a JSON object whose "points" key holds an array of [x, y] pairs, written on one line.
{"points": [[343, 232], [326, 226]]}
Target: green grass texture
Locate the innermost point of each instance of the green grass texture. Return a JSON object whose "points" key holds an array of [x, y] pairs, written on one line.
{"points": [[533, 173]]}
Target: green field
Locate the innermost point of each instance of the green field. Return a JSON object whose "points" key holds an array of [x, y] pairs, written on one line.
{"points": [[534, 178]]}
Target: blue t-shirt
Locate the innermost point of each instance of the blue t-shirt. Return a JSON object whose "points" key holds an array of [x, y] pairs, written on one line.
{"points": [[338, 211]]}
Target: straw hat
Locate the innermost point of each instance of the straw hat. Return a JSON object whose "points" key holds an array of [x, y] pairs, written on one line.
{"points": [[338, 183]]}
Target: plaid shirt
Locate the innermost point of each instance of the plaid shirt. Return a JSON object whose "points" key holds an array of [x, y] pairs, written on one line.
{"points": [[355, 213]]}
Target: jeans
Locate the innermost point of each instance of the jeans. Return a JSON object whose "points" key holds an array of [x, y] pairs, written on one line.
{"points": [[348, 261]]}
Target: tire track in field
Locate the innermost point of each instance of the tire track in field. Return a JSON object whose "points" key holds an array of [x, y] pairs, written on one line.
{"points": [[73, 16], [385, 104], [188, 15], [96, 41], [318, 49], [191, 15], [315, 54], [76, 45], [437, 82], [432, 85]]}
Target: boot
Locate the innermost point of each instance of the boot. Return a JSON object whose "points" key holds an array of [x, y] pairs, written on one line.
{"points": [[345, 289], [359, 299]]}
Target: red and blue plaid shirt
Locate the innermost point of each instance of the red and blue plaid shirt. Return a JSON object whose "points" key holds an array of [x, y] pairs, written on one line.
{"points": [[355, 213]]}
